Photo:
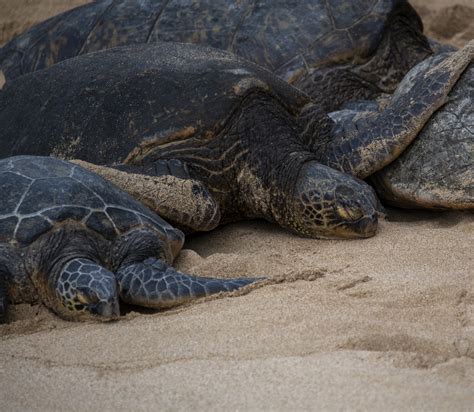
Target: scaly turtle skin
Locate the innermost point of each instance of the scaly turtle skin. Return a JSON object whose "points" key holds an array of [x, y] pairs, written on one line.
{"points": [[437, 170], [77, 243], [230, 122], [332, 49]]}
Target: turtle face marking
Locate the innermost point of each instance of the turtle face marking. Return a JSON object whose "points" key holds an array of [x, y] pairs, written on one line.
{"points": [[330, 204], [85, 289]]}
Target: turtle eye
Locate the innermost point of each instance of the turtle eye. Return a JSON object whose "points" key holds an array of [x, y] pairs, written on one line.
{"points": [[80, 297], [343, 212], [355, 214], [86, 299], [350, 214]]}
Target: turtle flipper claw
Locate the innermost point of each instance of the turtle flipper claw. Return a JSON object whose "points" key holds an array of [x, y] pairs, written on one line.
{"points": [[152, 283]]}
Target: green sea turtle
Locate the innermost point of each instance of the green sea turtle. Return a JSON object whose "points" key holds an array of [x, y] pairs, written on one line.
{"points": [[333, 50], [77, 243], [234, 125], [230, 122]]}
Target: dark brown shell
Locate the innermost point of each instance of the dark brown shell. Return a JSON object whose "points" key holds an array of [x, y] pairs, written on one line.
{"points": [[285, 36], [105, 106]]}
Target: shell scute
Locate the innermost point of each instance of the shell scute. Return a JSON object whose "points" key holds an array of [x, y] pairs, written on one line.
{"points": [[16, 187], [62, 213], [48, 192], [30, 228], [40, 168], [123, 219], [99, 222], [7, 228]]}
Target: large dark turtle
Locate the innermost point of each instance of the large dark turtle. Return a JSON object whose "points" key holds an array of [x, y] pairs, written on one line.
{"points": [[77, 243], [363, 47], [232, 123]]}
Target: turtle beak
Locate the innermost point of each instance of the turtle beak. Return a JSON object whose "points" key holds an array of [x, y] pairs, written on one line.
{"points": [[368, 225]]}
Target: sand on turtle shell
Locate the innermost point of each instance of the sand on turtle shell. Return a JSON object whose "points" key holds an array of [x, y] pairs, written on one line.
{"points": [[384, 323]]}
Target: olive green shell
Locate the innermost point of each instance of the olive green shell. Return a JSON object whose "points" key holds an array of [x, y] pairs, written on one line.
{"points": [[285, 36], [106, 106]]}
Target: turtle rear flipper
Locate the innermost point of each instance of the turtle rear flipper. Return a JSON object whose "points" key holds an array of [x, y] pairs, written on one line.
{"points": [[374, 141]]}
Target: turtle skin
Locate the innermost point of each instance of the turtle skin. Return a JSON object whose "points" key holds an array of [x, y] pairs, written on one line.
{"points": [[78, 244], [232, 123], [332, 49]]}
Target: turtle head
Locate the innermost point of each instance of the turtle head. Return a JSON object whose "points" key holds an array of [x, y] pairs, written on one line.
{"points": [[85, 290], [330, 204]]}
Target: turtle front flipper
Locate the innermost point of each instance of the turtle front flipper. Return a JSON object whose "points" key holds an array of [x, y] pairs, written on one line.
{"points": [[142, 265], [153, 283], [368, 144], [166, 188]]}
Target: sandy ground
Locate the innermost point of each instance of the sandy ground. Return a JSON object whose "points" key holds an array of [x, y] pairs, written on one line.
{"points": [[383, 323]]}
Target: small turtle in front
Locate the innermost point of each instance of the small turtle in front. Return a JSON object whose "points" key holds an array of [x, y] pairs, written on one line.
{"points": [[333, 50], [78, 244]]}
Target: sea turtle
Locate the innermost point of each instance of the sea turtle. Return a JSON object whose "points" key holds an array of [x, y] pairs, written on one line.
{"points": [[77, 243], [360, 48], [232, 123]]}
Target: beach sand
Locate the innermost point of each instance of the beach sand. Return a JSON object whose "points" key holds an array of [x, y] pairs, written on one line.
{"points": [[384, 323]]}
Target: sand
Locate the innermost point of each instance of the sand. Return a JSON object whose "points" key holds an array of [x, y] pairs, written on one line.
{"points": [[383, 323]]}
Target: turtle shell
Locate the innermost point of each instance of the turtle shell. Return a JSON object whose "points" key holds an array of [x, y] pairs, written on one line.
{"points": [[103, 106], [43, 192], [285, 36]]}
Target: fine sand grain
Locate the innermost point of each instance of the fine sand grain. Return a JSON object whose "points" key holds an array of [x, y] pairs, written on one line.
{"points": [[384, 323]]}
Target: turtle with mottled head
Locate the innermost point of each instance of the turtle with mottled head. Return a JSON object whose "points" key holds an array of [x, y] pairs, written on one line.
{"points": [[80, 245]]}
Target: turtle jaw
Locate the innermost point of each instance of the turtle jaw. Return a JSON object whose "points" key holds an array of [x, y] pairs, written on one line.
{"points": [[362, 228], [329, 204]]}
